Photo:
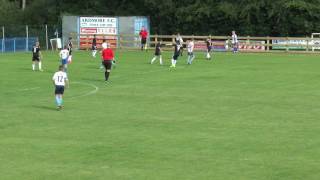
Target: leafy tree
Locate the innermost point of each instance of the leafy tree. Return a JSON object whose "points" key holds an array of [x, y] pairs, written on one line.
{"points": [[200, 17]]}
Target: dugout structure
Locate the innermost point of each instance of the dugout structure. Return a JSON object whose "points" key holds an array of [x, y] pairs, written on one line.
{"points": [[82, 28]]}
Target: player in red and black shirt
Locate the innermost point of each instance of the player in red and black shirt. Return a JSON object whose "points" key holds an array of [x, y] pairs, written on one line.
{"points": [[157, 53], [70, 45], [176, 55], [209, 48], [94, 46], [143, 35], [107, 59]]}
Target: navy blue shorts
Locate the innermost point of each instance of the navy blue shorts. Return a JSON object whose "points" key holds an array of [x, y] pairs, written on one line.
{"points": [[143, 40], [157, 53], [59, 90], [64, 61], [176, 55], [35, 58]]}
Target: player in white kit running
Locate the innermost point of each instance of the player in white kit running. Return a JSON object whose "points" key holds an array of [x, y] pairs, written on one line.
{"points": [[60, 80]]}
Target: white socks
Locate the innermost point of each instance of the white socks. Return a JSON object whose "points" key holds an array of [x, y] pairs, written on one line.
{"points": [[155, 58], [70, 59], [94, 52], [173, 62], [208, 56], [40, 65]]}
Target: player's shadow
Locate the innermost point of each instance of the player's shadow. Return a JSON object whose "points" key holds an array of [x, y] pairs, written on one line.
{"points": [[50, 108], [92, 79], [29, 70]]}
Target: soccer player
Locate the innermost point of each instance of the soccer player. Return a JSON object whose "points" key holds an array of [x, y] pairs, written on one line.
{"points": [[179, 41], [60, 80], [104, 46], [175, 56], [209, 48], [64, 55], [70, 45], [107, 57], [94, 46], [234, 42], [191, 56], [157, 53], [143, 35], [36, 57]]}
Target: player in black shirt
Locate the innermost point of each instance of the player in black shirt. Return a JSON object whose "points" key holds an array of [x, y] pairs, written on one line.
{"points": [[209, 48], [36, 57], [94, 46], [176, 55], [157, 53], [70, 45]]}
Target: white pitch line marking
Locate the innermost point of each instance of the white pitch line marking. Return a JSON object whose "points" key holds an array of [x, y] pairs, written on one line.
{"points": [[29, 89], [96, 89]]}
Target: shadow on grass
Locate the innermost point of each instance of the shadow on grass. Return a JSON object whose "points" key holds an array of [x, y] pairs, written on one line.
{"points": [[43, 107], [93, 79], [45, 71]]}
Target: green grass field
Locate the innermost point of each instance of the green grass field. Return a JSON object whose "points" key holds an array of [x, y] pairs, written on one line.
{"points": [[243, 117]]}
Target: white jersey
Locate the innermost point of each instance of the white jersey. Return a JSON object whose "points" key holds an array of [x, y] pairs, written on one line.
{"points": [[234, 39], [179, 38], [59, 78], [64, 53], [190, 46], [179, 41]]}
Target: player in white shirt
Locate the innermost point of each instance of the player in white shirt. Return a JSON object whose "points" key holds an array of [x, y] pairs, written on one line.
{"points": [[64, 55], [104, 44], [60, 81], [190, 48], [234, 42]]}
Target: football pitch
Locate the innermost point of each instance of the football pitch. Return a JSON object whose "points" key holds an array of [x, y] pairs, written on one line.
{"points": [[239, 116]]}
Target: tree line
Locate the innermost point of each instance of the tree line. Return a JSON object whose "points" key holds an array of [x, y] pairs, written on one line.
{"points": [[199, 17]]}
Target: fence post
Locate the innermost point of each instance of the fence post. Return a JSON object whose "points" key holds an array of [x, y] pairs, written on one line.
{"points": [[118, 41], [2, 39], [27, 37], [173, 41], [268, 43], [307, 48], [14, 44], [87, 44], [287, 45], [47, 43]]}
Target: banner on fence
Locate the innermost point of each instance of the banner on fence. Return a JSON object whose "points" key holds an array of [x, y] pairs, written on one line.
{"points": [[106, 27], [252, 46], [294, 44], [217, 45]]}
